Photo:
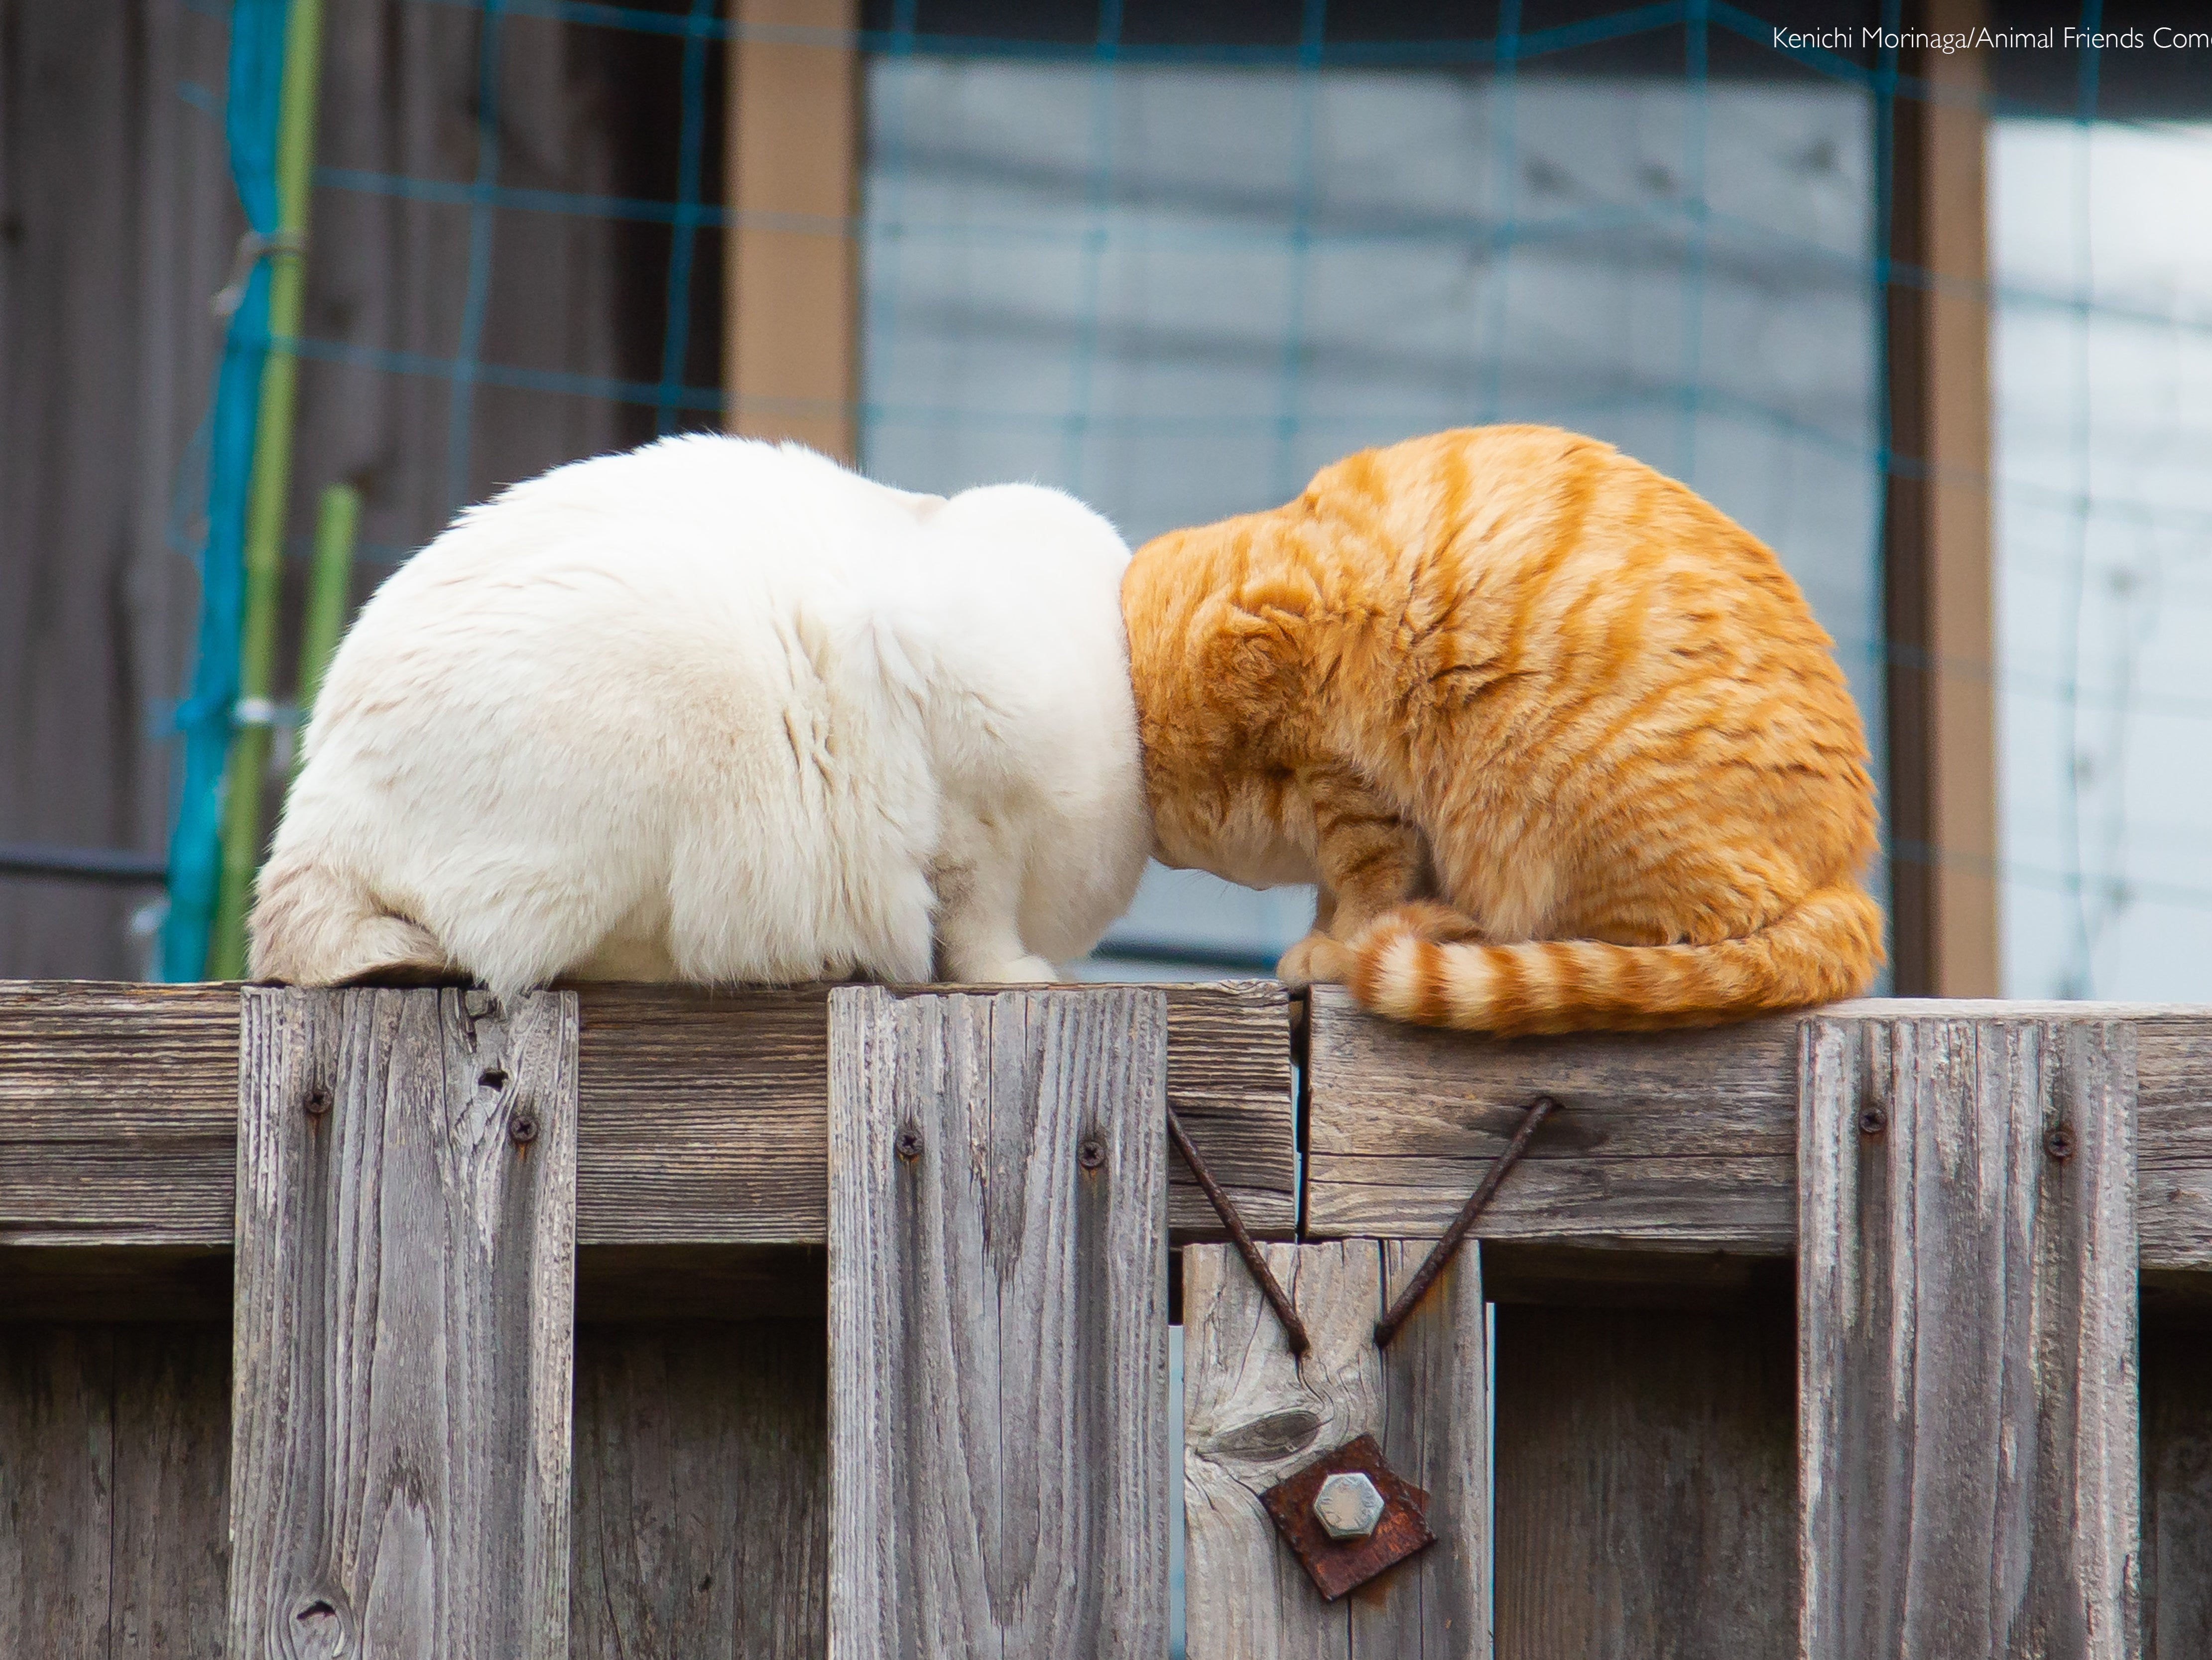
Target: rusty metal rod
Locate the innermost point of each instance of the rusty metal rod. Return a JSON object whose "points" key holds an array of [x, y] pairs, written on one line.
{"points": [[1293, 1328], [1446, 1248]]}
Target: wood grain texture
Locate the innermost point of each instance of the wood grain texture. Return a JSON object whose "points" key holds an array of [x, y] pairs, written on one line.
{"points": [[998, 1324], [702, 1491], [1665, 1135], [114, 1461], [118, 1113], [1646, 1492], [703, 1116], [1668, 1139], [1967, 1340], [404, 1329], [1253, 1416]]}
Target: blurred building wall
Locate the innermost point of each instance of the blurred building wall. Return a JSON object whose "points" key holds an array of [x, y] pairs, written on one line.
{"points": [[117, 224]]}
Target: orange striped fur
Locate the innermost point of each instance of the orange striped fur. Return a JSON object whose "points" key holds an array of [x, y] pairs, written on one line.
{"points": [[1561, 742]]}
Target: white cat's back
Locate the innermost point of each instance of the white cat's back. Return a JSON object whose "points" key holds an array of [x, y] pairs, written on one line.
{"points": [[679, 713]]}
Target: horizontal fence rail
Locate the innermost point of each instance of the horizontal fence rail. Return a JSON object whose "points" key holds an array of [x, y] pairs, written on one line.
{"points": [[702, 1118]]}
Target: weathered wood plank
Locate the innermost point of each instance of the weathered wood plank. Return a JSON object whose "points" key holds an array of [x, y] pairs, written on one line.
{"points": [[118, 1113], [1702, 1204], [703, 1116], [998, 1324], [1646, 1492], [702, 1491], [404, 1336], [1252, 1415], [1967, 1428], [114, 1450], [1686, 1135], [1668, 1139]]}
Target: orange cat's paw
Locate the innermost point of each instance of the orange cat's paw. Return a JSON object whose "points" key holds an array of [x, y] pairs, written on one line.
{"points": [[1315, 959]]}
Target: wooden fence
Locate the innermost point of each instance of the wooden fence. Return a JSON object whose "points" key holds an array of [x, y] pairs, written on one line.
{"points": [[641, 1323]]}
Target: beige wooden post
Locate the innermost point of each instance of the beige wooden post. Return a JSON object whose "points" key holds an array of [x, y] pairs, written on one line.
{"points": [[1940, 621], [795, 149]]}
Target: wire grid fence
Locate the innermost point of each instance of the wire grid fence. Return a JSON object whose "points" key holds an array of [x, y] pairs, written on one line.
{"points": [[1176, 275]]}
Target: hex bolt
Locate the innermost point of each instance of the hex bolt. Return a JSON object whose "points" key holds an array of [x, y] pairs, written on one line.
{"points": [[2059, 1141], [908, 1145], [1348, 1506], [1872, 1121], [1092, 1154], [522, 1127]]}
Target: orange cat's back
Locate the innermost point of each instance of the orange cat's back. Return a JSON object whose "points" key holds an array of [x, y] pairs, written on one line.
{"points": [[1638, 779], [1606, 642]]}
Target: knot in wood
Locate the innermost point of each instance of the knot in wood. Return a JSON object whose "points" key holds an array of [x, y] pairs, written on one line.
{"points": [[321, 1626], [1092, 1154], [493, 1078], [2059, 1141], [522, 1127]]}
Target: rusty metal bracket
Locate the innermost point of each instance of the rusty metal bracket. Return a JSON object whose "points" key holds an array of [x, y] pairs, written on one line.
{"points": [[1336, 1564], [1293, 1328], [1446, 1248]]}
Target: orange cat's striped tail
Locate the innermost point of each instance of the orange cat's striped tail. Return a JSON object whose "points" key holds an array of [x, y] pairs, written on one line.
{"points": [[1826, 948]]}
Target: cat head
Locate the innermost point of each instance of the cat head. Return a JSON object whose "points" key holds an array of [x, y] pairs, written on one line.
{"points": [[1026, 521], [1217, 656]]}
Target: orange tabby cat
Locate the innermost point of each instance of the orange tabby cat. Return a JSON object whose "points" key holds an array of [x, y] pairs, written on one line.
{"points": [[1561, 742]]}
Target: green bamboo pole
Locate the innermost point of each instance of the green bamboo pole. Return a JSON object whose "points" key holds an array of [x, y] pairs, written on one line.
{"points": [[330, 595], [247, 773]]}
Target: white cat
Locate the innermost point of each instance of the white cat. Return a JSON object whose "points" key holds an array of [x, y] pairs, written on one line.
{"points": [[718, 710]]}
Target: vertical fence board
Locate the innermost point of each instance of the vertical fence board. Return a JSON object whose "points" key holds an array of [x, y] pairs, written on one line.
{"points": [[1967, 1342], [1646, 1484], [111, 1465], [702, 1491], [404, 1324], [998, 1323], [1253, 1414]]}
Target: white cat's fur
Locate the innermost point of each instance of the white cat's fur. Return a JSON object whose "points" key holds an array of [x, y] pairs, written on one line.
{"points": [[718, 710]]}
